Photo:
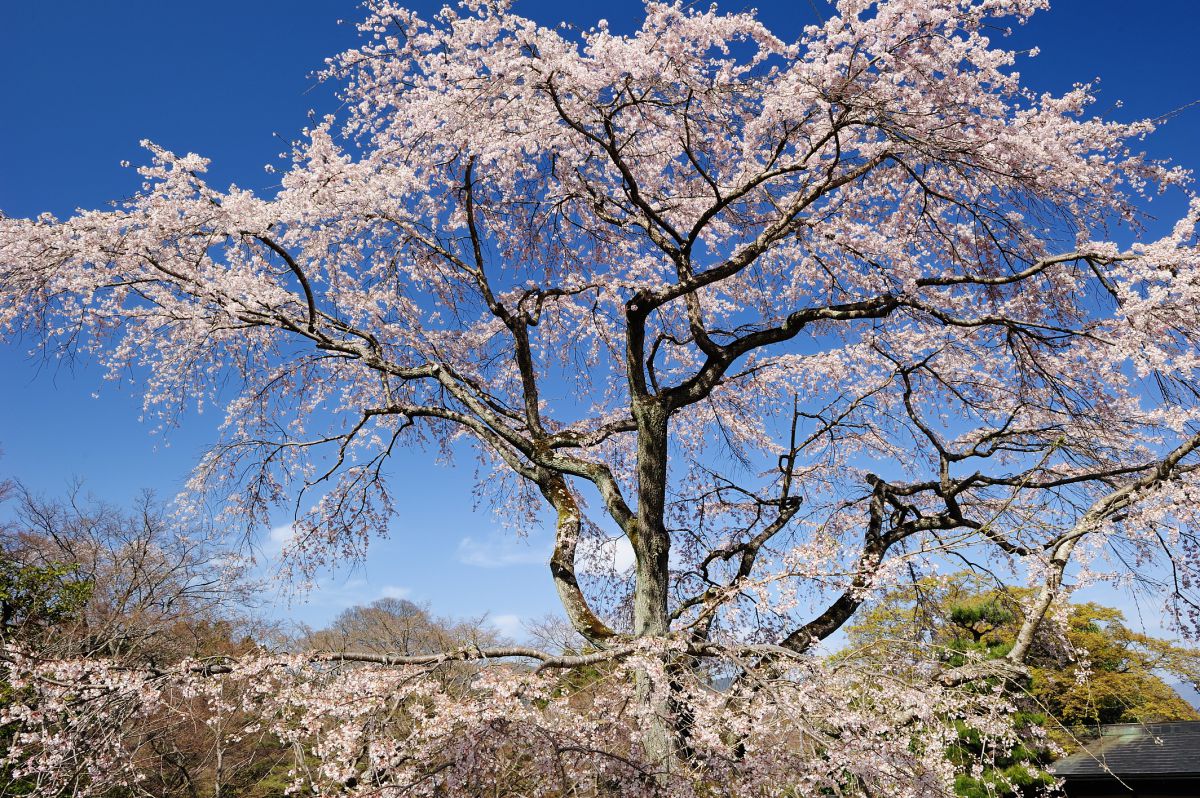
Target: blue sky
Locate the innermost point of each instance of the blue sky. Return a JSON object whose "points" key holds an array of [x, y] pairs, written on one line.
{"points": [[85, 81]]}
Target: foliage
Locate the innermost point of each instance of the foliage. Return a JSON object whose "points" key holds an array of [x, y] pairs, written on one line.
{"points": [[79, 578], [1091, 669], [1086, 666], [38, 596], [1108, 673]]}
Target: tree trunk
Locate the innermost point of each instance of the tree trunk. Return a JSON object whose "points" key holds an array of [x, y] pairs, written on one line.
{"points": [[653, 544], [652, 547]]}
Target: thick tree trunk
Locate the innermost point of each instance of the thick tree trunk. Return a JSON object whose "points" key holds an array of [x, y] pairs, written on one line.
{"points": [[652, 547]]}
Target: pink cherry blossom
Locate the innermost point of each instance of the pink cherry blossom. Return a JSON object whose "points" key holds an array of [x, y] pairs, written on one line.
{"points": [[797, 319]]}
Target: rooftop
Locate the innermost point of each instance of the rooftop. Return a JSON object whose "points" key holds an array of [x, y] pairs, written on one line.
{"points": [[1137, 749]]}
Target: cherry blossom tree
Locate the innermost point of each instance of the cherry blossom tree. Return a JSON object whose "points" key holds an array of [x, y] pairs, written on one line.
{"points": [[797, 320]]}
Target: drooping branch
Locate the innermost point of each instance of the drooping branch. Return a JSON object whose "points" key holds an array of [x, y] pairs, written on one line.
{"points": [[296, 270], [1102, 510]]}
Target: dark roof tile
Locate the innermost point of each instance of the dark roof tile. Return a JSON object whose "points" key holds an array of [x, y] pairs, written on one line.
{"points": [[1132, 749]]}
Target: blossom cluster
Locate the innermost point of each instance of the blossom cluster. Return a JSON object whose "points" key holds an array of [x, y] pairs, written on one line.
{"points": [[86, 727]]}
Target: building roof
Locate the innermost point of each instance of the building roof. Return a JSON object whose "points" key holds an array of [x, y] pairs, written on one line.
{"points": [[1137, 749]]}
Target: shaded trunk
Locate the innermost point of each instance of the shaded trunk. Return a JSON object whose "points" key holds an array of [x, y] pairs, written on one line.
{"points": [[652, 547]]}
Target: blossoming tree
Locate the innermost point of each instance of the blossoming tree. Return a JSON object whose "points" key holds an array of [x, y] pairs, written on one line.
{"points": [[796, 320]]}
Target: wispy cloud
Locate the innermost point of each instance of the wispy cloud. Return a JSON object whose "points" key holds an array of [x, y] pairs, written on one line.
{"points": [[498, 552], [277, 540], [508, 625], [394, 592], [594, 556]]}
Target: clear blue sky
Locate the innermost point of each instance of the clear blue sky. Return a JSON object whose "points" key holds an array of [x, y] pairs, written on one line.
{"points": [[84, 81]]}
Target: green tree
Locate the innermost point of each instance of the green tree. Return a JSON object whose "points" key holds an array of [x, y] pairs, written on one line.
{"points": [[35, 593], [36, 597], [1109, 673], [1088, 669], [33, 599]]}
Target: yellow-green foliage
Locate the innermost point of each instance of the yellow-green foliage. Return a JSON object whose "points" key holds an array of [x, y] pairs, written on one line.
{"points": [[37, 595], [1095, 670]]}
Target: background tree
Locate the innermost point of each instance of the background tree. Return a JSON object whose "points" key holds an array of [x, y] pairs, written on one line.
{"points": [[1086, 668], [34, 598], [1108, 673], [398, 626], [131, 588], [791, 318], [150, 590]]}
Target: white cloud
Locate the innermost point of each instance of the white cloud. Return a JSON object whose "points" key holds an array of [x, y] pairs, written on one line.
{"points": [[598, 556], [594, 556], [508, 625], [499, 553], [277, 540], [282, 534], [394, 592]]}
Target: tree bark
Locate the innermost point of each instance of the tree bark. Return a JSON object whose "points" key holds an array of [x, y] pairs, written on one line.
{"points": [[562, 561], [652, 548]]}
